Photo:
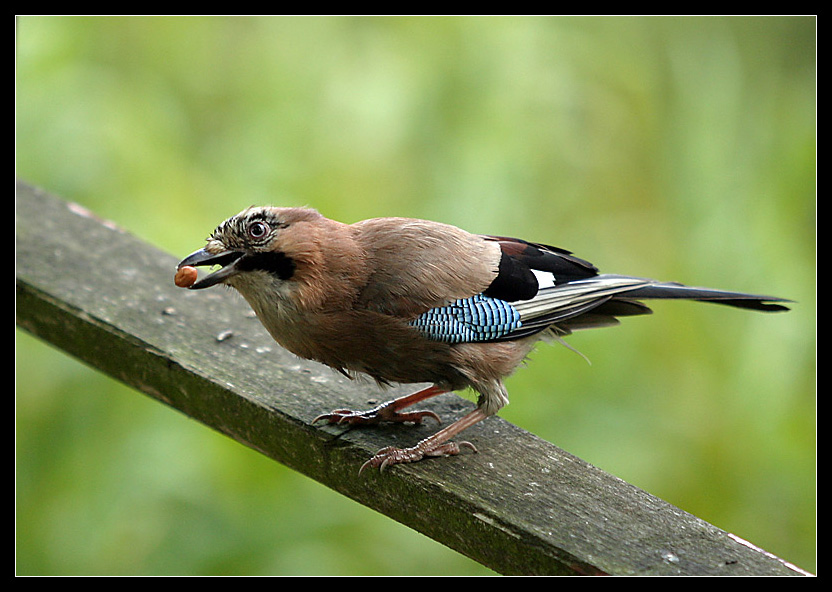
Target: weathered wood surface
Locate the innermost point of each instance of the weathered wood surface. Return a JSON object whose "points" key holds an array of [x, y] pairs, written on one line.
{"points": [[521, 506]]}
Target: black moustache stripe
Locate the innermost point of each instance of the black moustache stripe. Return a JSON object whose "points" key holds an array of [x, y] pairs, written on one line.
{"points": [[273, 262]]}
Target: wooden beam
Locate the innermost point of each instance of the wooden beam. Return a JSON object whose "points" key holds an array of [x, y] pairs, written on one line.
{"points": [[521, 506]]}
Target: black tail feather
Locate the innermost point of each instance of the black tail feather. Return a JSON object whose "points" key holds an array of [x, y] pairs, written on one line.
{"points": [[664, 291]]}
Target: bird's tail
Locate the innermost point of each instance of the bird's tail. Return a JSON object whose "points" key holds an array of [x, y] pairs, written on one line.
{"points": [[670, 290], [600, 300]]}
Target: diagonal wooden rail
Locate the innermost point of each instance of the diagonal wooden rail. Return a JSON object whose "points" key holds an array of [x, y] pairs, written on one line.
{"points": [[101, 295]]}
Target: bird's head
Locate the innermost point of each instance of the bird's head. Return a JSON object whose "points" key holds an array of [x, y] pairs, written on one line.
{"points": [[258, 239]]}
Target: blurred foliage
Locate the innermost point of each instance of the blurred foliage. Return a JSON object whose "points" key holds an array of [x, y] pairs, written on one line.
{"points": [[680, 148]]}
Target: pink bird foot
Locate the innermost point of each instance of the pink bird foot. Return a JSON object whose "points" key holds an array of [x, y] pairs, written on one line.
{"points": [[374, 416], [394, 456]]}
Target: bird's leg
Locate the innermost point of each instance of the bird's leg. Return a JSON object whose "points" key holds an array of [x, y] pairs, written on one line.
{"points": [[389, 411], [438, 444]]}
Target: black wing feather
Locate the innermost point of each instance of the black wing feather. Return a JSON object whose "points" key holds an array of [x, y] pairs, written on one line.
{"points": [[515, 279]]}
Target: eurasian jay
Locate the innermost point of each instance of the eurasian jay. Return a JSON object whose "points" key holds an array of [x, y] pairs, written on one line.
{"points": [[413, 301]]}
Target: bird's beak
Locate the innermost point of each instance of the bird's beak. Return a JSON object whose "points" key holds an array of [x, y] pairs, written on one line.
{"points": [[227, 259]]}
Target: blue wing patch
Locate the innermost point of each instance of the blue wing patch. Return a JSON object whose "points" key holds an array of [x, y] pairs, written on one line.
{"points": [[478, 318]]}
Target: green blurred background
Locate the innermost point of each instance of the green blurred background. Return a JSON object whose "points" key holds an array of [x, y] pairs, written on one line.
{"points": [[677, 148]]}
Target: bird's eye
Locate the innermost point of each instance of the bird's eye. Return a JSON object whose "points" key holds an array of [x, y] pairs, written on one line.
{"points": [[258, 229]]}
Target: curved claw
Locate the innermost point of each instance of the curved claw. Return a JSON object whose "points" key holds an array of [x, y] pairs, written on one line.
{"points": [[394, 456], [373, 416], [344, 415]]}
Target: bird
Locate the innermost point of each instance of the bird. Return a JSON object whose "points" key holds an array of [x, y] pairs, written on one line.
{"points": [[407, 301]]}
